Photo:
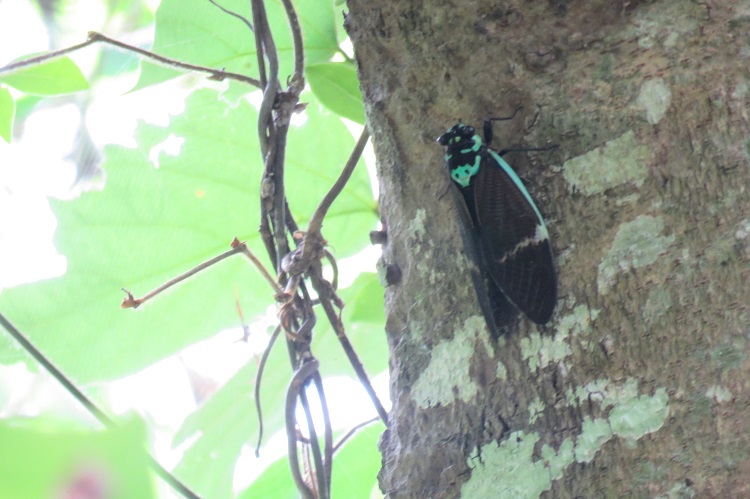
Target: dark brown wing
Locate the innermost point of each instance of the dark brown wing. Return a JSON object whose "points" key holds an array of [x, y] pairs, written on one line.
{"points": [[513, 240]]}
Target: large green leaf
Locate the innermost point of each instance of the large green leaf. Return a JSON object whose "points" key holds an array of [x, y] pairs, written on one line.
{"points": [[337, 87], [7, 112], [53, 77], [200, 33], [274, 483], [151, 224], [147, 226]]}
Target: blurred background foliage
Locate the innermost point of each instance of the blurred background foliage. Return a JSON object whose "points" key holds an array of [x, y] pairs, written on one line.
{"points": [[147, 173]]}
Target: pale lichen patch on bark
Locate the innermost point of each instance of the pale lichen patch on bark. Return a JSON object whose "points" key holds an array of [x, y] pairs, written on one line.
{"points": [[619, 161], [540, 350], [639, 416], [595, 432], [536, 407], [447, 375], [654, 99], [719, 394], [502, 371], [509, 469], [637, 244], [632, 415]]}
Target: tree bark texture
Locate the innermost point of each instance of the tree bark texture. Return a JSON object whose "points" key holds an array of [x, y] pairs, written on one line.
{"points": [[639, 385]]}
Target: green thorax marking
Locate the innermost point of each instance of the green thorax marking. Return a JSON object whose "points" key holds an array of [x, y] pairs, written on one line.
{"points": [[462, 173]]}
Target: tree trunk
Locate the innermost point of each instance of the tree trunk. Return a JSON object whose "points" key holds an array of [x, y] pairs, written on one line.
{"points": [[638, 386]]}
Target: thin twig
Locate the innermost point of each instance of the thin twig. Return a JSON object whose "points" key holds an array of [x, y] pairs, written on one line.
{"points": [[334, 267], [131, 301], [87, 403], [34, 61], [265, 48], [216, 74], [255, 9], [346, 436], [258, 379], [316, 221], [94, 37], [233, 14], [261, 268]]}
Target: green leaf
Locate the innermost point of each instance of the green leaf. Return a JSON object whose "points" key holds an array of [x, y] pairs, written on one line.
{"points": [[337, 87], [151, 224], [356, 465], [204, 35], [42, 458], [274, 483], [54, 77], [147, 226], [7, 112]]}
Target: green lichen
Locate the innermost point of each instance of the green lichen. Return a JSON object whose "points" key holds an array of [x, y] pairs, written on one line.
{"points": [[447, 374], [654, 98], [632, 415], [502, 372], [536, 407], [508, 469], [606, 392], [417, 224], [637, 244], [680, 491], [719, 394], [540, 350], [639, 416], [594, 434], [619, 161], [740, 90]]}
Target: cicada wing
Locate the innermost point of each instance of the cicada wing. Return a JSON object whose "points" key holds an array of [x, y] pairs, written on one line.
{"points": [[498, 312], [513, 239]]}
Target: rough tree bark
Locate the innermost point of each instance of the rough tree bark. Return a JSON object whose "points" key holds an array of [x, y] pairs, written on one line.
{"points": [[639, 386]]}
